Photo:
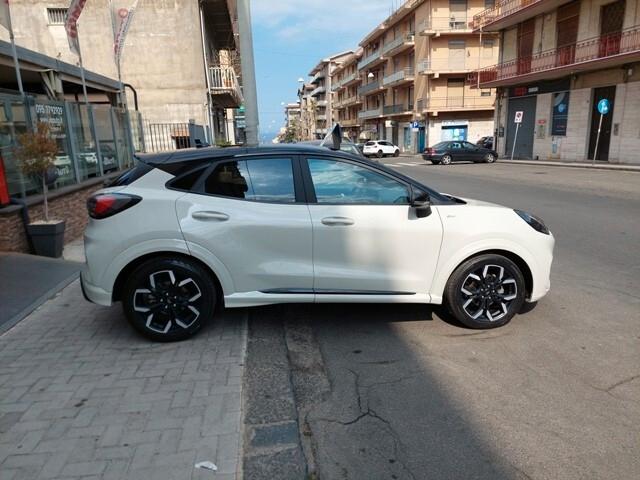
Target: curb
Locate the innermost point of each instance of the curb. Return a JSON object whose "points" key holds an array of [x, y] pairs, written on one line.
{"points": [[48, 295]]}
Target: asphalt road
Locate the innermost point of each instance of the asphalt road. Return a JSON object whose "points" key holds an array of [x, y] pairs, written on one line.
{"points": [[555, 394]]}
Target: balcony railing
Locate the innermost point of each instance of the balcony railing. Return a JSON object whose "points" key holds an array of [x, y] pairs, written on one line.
{"points": [[316, 78], [456, 103], [437, 65], [346, 101], [225, 86], [343, 81], [369, 59], [395, 109], [400, 75], [317, 91], [408, 39], [369, 87], [593, 49], [451, 23], [370, 113], [350, 122], [321, 117], [500, 10]]}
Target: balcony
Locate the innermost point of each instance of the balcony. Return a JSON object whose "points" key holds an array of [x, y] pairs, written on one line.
{"points": [[370, 113], [321, 117], [318, 90], [321, 131], [370, 88], [399, 45], [390, 110], [225, 89], [450, 104], [399, 77], [344, 81], [507, 13], [444, 25], [347, 101], [322, 103], [374, 59], [317, 77], [437, 66], [351, 122], [605, 51]]}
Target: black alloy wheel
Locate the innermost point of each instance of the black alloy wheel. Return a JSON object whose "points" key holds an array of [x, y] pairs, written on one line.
{"points": [[380, 154], [169, 299], [486, 291]]}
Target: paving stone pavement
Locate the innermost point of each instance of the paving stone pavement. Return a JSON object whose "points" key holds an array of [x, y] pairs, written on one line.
{"points": [[82, 396]]}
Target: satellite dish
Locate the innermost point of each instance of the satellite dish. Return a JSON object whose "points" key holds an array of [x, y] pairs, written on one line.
{"points": [[333, 140]]}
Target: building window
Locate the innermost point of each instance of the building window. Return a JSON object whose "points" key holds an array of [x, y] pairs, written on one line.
{"points": [[485, 92], [560, 114], [56, 16], [487, 48], [489, 3]]}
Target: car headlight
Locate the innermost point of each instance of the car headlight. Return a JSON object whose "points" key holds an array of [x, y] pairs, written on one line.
{"points": [[535, 222]]}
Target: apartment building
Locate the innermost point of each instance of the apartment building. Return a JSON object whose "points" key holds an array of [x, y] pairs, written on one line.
{"points": [[347, 102], [321, 79], [559, 61], [181, 56], [413, 69]]}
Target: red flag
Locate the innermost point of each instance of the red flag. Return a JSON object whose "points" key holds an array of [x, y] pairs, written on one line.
{"points": [[71, 24]]}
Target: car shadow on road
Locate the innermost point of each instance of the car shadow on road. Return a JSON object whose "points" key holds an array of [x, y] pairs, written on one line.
{"points": [[388, 413]]}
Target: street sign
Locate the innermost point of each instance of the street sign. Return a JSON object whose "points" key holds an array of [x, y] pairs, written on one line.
{"points": [[603, 106], [415, 125], [519, 116]]}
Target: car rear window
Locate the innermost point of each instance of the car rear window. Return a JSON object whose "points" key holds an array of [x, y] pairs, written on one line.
{"points": [[187, 181], [131, 175], [440, 145]]}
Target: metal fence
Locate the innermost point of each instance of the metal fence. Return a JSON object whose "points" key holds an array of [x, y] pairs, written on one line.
{"points": [[162, 137]]}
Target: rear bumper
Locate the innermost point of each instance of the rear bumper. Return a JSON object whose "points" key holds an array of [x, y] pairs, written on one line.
{"points": [[93, 293], [429, 157]]}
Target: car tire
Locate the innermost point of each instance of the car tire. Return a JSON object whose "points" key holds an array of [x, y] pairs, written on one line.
{"points": [[151, 289], [485, 291], [446, 159], [489, 158], [380, 154], [396, 153]]}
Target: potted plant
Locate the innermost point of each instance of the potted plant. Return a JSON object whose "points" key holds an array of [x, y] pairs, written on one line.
{"points": [[35, 153]]}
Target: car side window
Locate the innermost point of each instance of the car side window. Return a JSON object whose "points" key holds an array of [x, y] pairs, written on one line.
{"points": [[469, 146], [455, 145], [343, 183], [267, 180]]}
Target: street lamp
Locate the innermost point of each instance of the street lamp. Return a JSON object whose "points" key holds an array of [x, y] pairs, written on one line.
{"points": [[371, 75]]}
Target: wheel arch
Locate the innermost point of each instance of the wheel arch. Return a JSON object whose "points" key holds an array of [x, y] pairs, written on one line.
{"points": [[515, 258], [135, 263]]}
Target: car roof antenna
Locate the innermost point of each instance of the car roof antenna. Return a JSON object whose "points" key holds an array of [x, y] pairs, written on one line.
{"points": [[333, 140]]}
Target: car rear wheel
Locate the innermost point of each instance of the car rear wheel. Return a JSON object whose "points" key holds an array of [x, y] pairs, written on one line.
{"points": [[396, 153], [380, 154], [169, 299], [446, 159], [489, 158], [485, 291]]}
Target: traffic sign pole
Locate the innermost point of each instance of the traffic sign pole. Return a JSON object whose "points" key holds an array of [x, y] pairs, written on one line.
{"points": [[595, 153], [515, 139]]}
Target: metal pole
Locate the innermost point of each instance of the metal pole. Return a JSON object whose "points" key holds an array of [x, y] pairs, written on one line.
{"points": [[595, 152], [84, 82], [515, 139], [14, 52], [248, 72]]}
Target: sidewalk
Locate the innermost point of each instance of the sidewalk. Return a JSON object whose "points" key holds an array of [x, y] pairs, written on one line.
{"points": [[84, 396], [556, 163]]}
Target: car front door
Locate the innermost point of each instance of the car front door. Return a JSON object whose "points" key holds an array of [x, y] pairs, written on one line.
{"points": [[472, 152], [247, 213], [367, 239]]}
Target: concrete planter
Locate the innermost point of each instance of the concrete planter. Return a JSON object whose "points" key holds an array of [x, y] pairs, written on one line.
{"points": [[47, 238]]}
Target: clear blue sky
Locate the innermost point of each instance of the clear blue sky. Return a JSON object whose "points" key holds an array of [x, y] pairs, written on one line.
{"points": [[291, 36]]}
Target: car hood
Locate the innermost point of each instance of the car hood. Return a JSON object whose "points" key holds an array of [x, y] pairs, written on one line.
{"points": [[473, 202]]}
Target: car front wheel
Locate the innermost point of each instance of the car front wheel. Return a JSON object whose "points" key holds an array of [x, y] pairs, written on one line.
{"points": [[169, 299], [486, 291], [489, 158], [396, 153], [380, 154]]}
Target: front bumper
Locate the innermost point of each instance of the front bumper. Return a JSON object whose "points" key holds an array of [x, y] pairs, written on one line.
{"points": [[93, 293]]}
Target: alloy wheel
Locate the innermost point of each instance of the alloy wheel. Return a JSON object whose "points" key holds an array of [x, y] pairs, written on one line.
{"points": [[488, 292], [446, 159], [168, 301], [490, 158]]}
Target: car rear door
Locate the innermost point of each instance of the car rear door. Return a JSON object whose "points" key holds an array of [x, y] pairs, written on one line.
{"points": [[249, 214], [366, 237]]}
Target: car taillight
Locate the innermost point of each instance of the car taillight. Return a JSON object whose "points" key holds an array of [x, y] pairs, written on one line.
{"points": [[429, 150], [103, 205]]}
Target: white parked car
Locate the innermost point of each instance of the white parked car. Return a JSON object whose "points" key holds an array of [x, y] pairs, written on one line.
{"points": [[185, 232], [380, 148]]}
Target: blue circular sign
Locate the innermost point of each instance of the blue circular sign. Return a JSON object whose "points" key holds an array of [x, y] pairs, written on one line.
{"points": [[603, 106]]}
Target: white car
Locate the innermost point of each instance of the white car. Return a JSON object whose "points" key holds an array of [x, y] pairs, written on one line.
{"points": [[185, 232], [380, 148]]}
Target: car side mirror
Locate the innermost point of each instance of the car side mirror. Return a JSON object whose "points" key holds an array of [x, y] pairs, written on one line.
{"points": [[422, 204]]}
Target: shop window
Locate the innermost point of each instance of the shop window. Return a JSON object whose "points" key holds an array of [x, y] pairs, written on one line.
{"points": [[560, 114]]}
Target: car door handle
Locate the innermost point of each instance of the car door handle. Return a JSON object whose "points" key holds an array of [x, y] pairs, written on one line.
{"points": [[215, 216], [337, 221]]}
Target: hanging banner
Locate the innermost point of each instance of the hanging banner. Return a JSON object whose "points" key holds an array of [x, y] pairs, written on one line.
{"points": [[121, 17], [71, 24], [5, 19]]}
